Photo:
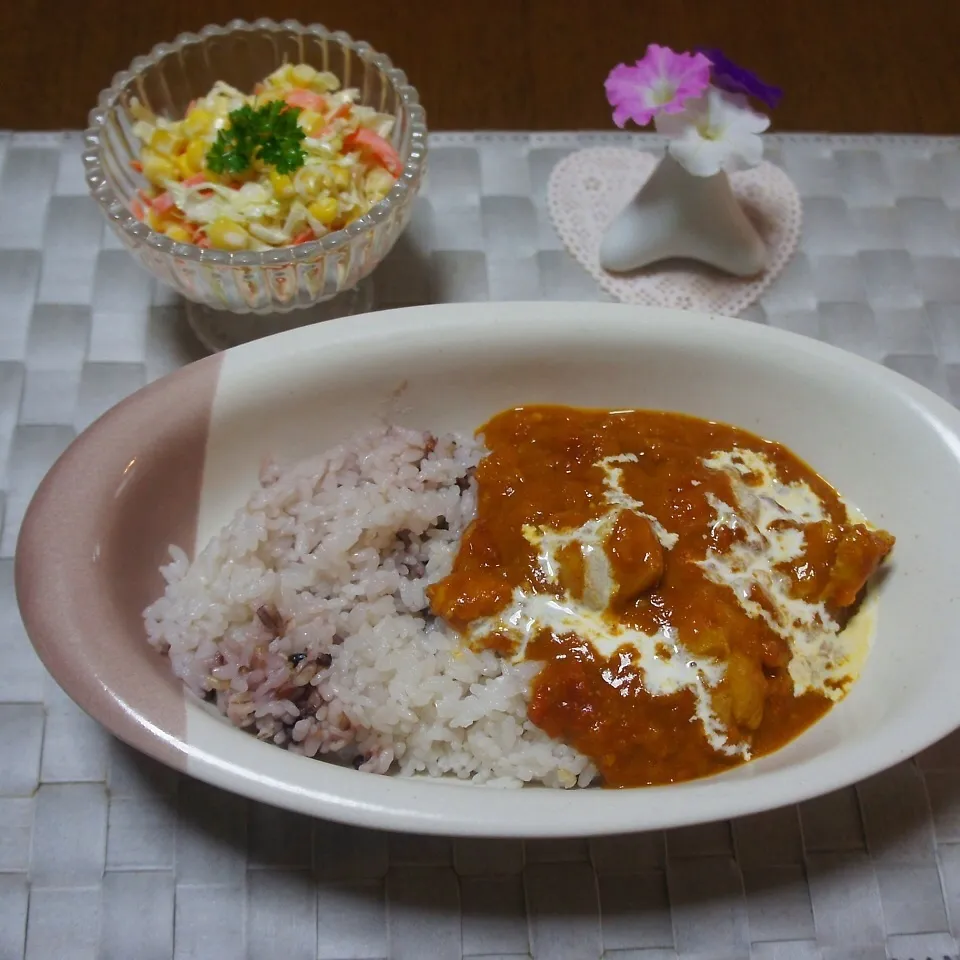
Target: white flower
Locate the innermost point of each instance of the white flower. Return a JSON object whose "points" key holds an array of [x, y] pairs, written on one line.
{"points": [[715, 132]]}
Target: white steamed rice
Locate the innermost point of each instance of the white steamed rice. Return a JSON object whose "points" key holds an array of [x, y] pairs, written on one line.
{"points": [[305, 620]]}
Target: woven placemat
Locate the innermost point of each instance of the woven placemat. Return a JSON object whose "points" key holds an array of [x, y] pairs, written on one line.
{"points": [[105, 855]]}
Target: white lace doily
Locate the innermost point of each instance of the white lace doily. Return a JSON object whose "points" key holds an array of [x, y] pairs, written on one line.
{"points": [[589, 188]]}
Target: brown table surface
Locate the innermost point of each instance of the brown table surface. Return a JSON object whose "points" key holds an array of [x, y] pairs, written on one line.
{"points": [[846, 65]]}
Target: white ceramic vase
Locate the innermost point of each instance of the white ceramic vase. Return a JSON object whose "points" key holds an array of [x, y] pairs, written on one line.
{"points": [[678, 215]]}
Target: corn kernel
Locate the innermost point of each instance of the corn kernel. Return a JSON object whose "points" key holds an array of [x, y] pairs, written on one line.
{"points": [[157, 169], [310, 122], [279, 76], [379, 182], [177, 233], [282, 185], [325, 82], [324, 209], [196, 154], [197, 122], [302, 74], [167, 142], [341, 178], [154, 220], [227, 234]]}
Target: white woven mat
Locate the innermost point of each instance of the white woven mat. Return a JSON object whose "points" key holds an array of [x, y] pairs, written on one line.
{"points": [[105, 855]]}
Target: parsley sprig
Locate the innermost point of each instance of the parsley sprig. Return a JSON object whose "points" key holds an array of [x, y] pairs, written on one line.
{"points": [[269, 133]]}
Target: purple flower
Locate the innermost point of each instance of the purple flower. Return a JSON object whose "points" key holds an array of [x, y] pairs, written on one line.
{"points": [[733, 78], [662, 82]]}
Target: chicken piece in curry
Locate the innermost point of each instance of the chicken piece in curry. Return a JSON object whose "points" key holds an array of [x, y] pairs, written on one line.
{"points": [[685, 584]]}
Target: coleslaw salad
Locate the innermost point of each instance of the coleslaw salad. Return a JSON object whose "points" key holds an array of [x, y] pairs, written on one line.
{"points": [[338, 164]]}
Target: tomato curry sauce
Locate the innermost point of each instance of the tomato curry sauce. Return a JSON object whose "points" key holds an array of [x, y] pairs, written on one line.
{"points": [[684, 583]]}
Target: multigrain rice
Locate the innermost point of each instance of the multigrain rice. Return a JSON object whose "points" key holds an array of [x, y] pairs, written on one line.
{"points": [[306, 621]]}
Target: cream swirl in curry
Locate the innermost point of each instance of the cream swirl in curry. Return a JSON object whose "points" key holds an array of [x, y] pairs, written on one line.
{"points": [[685, 584]]}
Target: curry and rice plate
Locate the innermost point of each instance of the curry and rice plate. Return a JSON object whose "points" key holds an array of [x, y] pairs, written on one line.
{"points": [[572, 597]]}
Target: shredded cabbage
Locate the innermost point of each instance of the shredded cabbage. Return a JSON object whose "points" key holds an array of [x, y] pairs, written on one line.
{"points": [[350, 164]]}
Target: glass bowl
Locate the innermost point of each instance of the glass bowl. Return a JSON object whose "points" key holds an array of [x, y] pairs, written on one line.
{"points": [[247, 282]]}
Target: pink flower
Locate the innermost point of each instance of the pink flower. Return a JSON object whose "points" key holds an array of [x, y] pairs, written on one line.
{"points": [[662, 82]]}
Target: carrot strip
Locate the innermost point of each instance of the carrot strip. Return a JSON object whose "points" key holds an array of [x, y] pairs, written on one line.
{"points": [[306, 100], [163, 203], [366, 141]]}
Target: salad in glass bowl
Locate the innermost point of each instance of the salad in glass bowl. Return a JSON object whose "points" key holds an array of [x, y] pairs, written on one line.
{"points": [[295, 160], [259, 168]]}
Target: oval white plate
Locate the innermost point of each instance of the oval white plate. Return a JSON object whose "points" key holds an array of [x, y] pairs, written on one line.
{"points": [[132, 483]]}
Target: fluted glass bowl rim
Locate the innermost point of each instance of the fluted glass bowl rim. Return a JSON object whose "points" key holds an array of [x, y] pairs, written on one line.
{"points": [[139, 233]]}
